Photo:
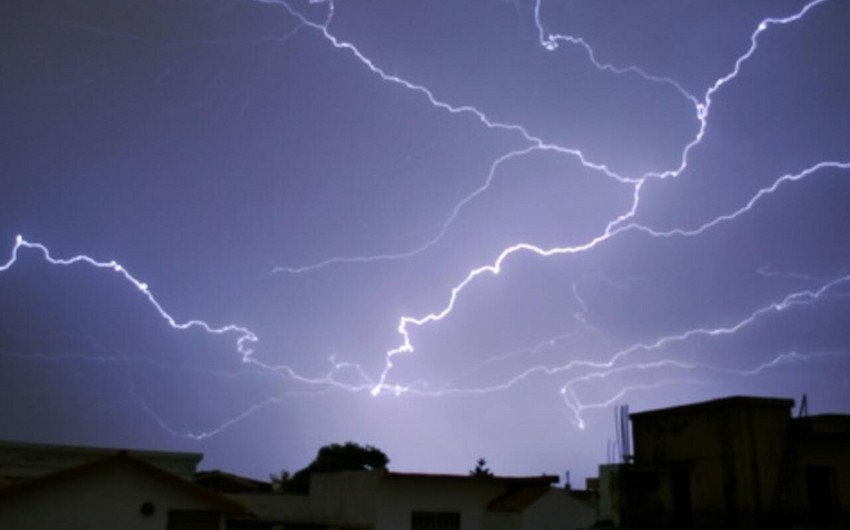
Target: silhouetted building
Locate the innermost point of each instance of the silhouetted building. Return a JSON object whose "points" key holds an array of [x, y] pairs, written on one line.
{"points": [[383, 500], [732, 463], [115, 491], [21, 461], [53, 486]]}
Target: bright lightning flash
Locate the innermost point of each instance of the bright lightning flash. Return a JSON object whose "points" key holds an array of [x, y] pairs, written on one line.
{"points": [[621, 361]]}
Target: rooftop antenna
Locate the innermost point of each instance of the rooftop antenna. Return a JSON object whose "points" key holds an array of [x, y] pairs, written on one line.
{"points": [[803, 411], [622, 446], [626, 446]]}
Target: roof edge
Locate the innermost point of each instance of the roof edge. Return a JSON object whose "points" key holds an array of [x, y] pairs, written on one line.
{"points": [[226, 505], [714, 404]]}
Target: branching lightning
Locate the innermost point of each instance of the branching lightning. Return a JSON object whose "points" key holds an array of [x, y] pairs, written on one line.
{"points": [[245, 338], [617, 225], [580, 371]]}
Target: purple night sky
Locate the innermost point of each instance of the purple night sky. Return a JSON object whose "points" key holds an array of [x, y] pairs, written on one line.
{"points": [[446, 229]]}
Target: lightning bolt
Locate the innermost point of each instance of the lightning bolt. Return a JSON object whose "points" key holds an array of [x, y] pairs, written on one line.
{"points": [[245, 339], [614, 228], [577, 408], [551, 43], [611, 366], [617, 225]]}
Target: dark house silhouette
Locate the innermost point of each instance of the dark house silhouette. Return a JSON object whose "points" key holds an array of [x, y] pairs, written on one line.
{"points": [[116, 491], [735, 463]]}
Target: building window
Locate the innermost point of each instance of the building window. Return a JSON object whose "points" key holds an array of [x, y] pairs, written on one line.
{"points": [[435, 521]]}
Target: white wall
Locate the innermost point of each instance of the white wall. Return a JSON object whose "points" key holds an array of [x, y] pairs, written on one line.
{"points": [[108, 498], [502, 520], [399, 496], [275, 506], [370, 500], [346, 497], [558, 510]]}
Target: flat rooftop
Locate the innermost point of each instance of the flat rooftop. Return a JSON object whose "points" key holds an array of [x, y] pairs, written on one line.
{"points": [[714, 404]]}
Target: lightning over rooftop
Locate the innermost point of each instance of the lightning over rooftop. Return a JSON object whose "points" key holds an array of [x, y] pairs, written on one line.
{"points": [[423, 226]]}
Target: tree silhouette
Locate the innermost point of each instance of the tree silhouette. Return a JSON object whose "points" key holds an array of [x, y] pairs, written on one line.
{"points": [[334, 457], [481, 469]]}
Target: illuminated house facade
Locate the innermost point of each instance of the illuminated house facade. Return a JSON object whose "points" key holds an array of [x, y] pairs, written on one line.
{"points": [[91, 489], [86, 488], [732, 463], [415, 501]]}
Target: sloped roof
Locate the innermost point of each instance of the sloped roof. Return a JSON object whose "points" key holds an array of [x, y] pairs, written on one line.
{"points": [[527, 480], [224, 482], [518, 499], [97, 451], [122, 458], [21, 461]]}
